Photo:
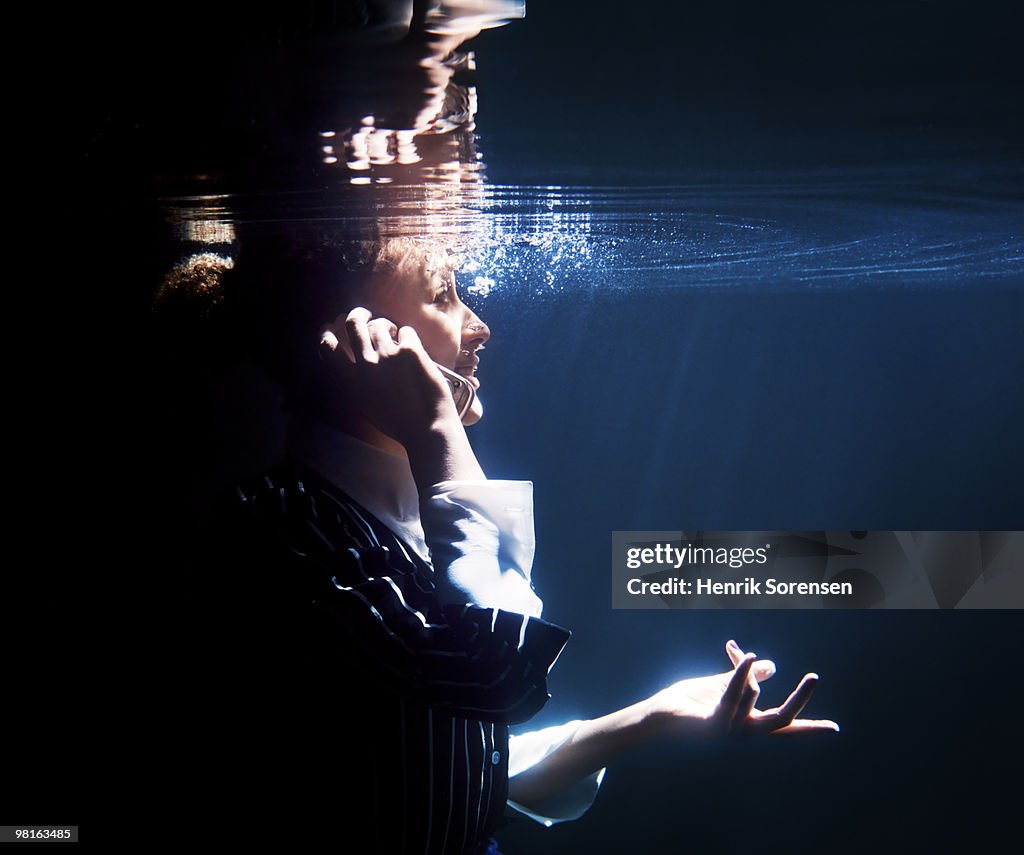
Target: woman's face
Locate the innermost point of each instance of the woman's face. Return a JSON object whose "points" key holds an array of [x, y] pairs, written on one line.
{"points": [[424, 297]]}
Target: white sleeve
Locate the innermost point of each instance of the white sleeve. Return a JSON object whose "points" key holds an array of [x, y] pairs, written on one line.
{"points": [[481, 541], [528, 749], [480, 537]]}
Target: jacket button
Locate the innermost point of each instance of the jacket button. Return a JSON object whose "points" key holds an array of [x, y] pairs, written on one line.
{"points": [[496, 758]]}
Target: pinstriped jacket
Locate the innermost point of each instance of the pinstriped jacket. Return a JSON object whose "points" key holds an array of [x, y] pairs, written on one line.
{"points": [[401, 705]]}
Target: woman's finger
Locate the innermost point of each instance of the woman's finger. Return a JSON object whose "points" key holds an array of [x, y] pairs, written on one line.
{"points": [[329, 343], [383, 335], [408, 338], [806, 725], [763, 669], [798, 699], [784, 715], [746, 705], [334, 342], [733, 694], [356, 326]]}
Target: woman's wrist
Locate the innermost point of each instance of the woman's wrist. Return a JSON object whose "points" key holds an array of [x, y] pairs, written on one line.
{"points": [[592, 747], [625, 728], [658, 720], [640, 723], [442, 452]]}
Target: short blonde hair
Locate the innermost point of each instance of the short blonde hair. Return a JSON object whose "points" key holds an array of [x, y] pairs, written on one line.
{"points": [[397, 256]]}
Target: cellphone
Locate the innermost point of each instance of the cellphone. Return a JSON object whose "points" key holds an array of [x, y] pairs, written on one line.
{"points": [[462, 390]]}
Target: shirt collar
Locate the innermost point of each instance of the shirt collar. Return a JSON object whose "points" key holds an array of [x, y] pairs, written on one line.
{"points": [[378, 480]]}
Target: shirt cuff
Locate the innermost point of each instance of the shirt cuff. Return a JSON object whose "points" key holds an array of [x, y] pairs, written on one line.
{"points": [[481, 541], [527, 750]]}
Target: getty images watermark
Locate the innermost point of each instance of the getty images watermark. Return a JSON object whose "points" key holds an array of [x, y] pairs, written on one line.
{"points": [[807, 569]]}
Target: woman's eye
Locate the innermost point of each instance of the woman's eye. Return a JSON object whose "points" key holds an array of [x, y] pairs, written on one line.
{"points": [[445, 293]]}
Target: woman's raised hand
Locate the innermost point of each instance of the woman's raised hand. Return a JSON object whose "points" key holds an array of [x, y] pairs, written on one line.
{"points": [[395, 384], [726, 703]]}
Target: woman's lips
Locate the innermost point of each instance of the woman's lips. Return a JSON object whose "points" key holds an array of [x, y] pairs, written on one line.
{"points": [[468, 370]]}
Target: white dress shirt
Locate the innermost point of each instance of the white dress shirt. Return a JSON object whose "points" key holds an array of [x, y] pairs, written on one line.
{"points": [[478, 537]]}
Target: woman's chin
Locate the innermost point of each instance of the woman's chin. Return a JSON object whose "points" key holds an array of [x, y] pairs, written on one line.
{"points": [[474, 413]]}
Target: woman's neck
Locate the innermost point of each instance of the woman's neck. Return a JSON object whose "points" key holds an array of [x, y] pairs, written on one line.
{"points": [[363, 430]]}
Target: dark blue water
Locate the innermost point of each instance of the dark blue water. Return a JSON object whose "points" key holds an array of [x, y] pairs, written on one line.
{"points": [[795, 301], [836, 354], [753, 360]]}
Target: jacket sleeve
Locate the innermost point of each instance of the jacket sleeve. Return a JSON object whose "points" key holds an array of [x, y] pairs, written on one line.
{"points": [[367, 602]]}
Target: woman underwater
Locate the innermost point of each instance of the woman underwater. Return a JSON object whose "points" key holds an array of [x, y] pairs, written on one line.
{"points": [[427, 638]]}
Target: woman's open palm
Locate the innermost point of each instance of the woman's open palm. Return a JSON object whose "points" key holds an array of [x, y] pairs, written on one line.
{"points": [[726, 703]]}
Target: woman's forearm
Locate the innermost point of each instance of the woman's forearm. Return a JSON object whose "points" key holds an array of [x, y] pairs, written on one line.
{"points": [[442, 453], [590, 748]]}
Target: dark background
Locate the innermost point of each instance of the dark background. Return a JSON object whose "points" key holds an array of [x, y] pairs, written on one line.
{"points": [[687, 89]]}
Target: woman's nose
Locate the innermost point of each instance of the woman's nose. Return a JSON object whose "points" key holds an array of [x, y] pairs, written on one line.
{"points": [[475, 333]]}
